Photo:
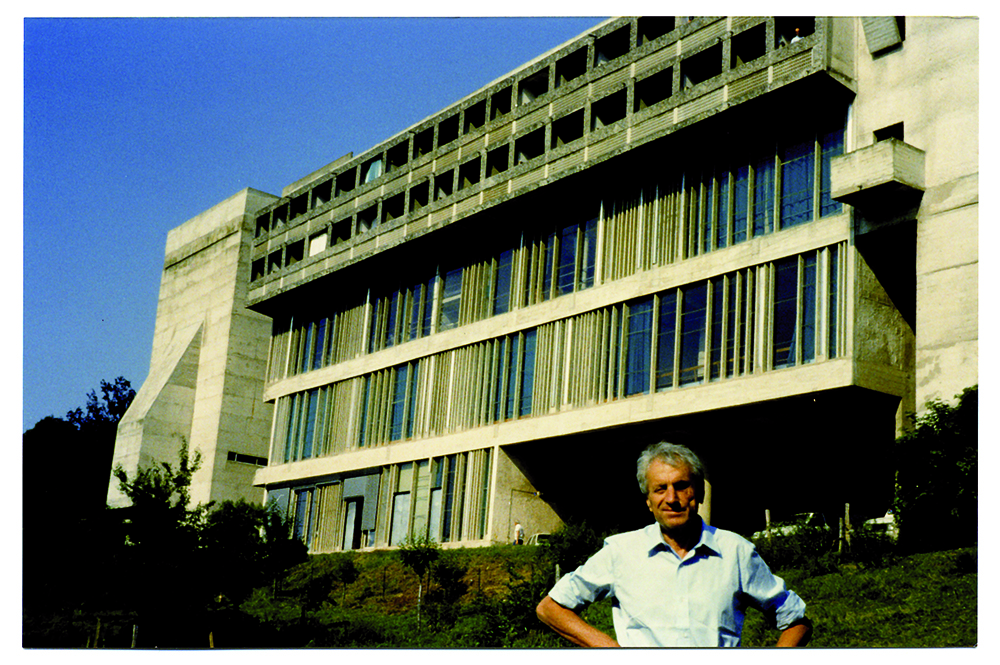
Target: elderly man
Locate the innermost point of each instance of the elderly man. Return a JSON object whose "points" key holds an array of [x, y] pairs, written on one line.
{"points": [[678, 582]]}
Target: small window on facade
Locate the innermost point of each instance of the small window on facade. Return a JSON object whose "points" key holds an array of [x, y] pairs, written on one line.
{"points": [[299, 205], [891, 132], [392, 208], [532, 87], [340, 232], [396, 157], [568, 128], [468, 174], [444, 184], [423, 143], [571, 67], [448, 130], [701, 66], [371, 169], [451, 299], [293, 254], [367, 219], [475, 117], [321, 193], [530, 146], [790, 29], [257, 269], [611, 46], [500, 103], [347, 180], [318, 243], [497, 160], [418, 196], [653, 27], [653, 89], [280, 215], [749, 45], [263, 224], [274, 262], [608, 110]]}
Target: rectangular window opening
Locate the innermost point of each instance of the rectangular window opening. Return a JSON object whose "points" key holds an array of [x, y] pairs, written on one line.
{"points": [[340, 232], [392, 208], [347, 180], [891, 132], [419, 196], [423, 143], [367, 219], [653, 27], [701, 67], [444, 184], [748, 45], [322, 193], [653, 89], [257, 269], [567, 129], [609, 110], [371, 169], [468, 174], [280, 215], [572, 66], [790, 29], [497, 160], [475, 117], [293, 254], [530, 145], [396, 156], [611, 46], [532, 87], [263, 225], [299, 206], [500, 103], [448, 130], [318, 242], [274, 262]]}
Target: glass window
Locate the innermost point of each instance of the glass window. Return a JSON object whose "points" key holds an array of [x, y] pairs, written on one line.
{"points": [[511, 382], [502, 283], [741, 191], [398, 403], [312, 400], [785, 305], [411, 410], [527, 373], [550, 250], [722, 212], [588, 253], [718, 315], [831, 144], [763, 196], [566, 277], [638, 347], [833, 303], [665, 340], [693, 311], [809, 308], [797, 183], [400, 518], [451, 299], [318, 344]]}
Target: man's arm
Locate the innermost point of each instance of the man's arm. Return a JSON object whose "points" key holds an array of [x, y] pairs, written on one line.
{"points": [[568, 623], [796, 635]]}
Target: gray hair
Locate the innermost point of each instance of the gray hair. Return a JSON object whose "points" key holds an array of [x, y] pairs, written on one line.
{"points": [[674, 455]]}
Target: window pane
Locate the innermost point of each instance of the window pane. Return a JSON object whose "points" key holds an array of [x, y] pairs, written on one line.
{"points": [[785, 288], [390, 318], [731, 343], [763, 196], [451, 299], [501, 300], [797, 183], [588, 253], [428, 307], [809, 308], [317, 360], [566, 275], [512, 352], [550, 249], [398, 404], [665, 341], [527, 373], [416, 309], [638, 346], [693, 308], [741, 190], [718, 314], [411, 410], [310, 424], [722, 212], [400, 518], [831, 145], [833, 303]]}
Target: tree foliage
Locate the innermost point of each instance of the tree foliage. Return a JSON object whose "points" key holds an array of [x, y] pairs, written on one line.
{"points": [[937, 467], [115, 399]]}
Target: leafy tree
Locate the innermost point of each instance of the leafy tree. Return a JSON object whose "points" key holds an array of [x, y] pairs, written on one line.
{"points": [[937, 466], [419, 553], [115, 399]]}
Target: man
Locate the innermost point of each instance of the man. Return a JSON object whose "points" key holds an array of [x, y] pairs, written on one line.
{"points": [[518, 533], [678, 582]]}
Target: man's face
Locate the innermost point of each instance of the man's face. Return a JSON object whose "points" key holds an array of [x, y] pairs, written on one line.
{"points": [[670, 495]]}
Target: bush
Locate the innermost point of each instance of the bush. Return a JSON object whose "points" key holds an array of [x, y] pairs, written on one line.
{"points": [[813, 549]]}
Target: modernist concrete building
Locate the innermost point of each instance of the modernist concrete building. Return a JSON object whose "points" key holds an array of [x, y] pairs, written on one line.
{"points": [[753, 235]]}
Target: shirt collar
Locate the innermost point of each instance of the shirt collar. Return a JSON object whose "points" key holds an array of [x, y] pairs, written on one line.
{"points": [[705, 541]]}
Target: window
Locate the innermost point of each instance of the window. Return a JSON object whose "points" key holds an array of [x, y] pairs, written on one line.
{"points": [[692, 343], [701, 67], [639, 340], [513, 375], [419, 196], [532, 87], [423, 143], [748, 45], [448, 130], [572, 66], [263, 223], [347, 180], [293, 253], [497, 160], [500, 103], [340, 232], [321, 194], [502, 282], [280, 215], [444, 183], [396, 156], [797, 160], [451, 299], [783, 316], [653, 89], [653, 27], [474, 117], [392, 208], [299, 205], [530, 145], [608, 110], [367, 219], [468, 174], [371, 169], [790, 29], [611, 46]]}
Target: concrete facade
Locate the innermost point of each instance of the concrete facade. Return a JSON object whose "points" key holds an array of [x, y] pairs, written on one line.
{"points": [[753, 235], [204, 388]]}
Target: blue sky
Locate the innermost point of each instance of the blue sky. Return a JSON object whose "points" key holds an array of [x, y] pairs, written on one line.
{"points": [[133, 126]]}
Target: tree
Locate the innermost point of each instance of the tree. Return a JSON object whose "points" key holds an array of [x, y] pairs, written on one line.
{"points": [[115, 399], [937, 466], [418, 554]]}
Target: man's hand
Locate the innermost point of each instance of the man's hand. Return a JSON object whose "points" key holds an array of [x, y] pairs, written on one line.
{"points": [[568, 623], [796, 635]]}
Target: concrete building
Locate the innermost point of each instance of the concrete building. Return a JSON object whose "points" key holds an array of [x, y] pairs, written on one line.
{"points": [[753, 235]]}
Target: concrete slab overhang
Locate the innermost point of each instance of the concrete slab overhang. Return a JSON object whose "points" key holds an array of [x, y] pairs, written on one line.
{"points": [[875, 176]]}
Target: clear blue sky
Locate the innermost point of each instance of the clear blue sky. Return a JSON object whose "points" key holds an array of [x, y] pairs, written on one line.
{"points": [[133, 126]]}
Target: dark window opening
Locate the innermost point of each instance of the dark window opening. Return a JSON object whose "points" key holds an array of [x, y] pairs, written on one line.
{"points": [[568, 128], [299, 205], [500, 103], [530, 145], [396, 157], [654, 27], [418, 195], [347, 180], [475, 117], [392, 208], [263, 224], [246, 459], [274, 262], [468, 174], [280, 215], [448, 130], [340, 232], [444, 184], [901, 27], [367, 219], [611, 46], [497, 160], [653, 89], [701, 66], [257, 269], [749, 45], [372, 169], [571, 67], [321, 193], [294, 253], [423, 143], [533, 87], [608, 110], [890, 132], [790, 29]]}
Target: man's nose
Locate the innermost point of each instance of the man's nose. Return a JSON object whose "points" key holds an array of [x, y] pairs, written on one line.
{"points": [[670, 496]]}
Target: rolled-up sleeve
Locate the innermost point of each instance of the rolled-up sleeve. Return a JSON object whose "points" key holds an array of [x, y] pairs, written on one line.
{"points": [[768, 593], [588, 583]]}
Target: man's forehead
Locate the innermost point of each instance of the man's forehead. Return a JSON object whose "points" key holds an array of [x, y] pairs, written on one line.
{"points": [[668, 467]]}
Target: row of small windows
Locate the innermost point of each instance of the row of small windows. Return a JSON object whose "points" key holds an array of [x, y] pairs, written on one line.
{"points": [[772, 316], [746, 46], [445, 499], [706, 207]]}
